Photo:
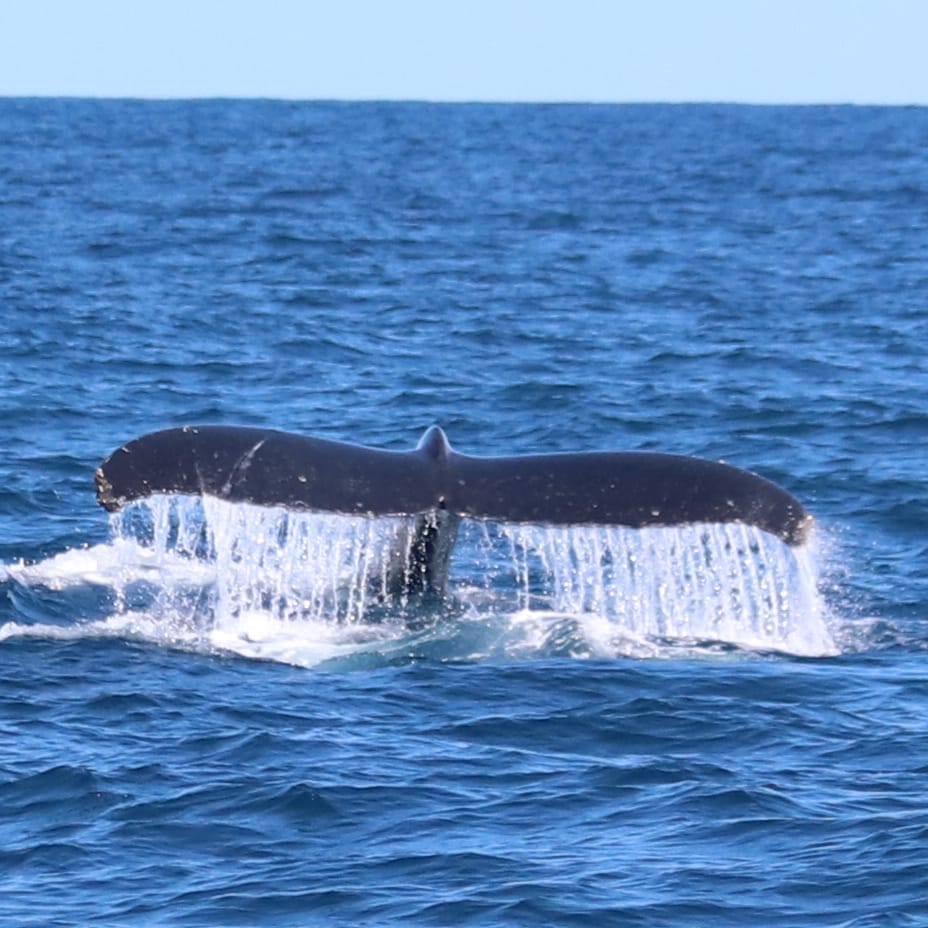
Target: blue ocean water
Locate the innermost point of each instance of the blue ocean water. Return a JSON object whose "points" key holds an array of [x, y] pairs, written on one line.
{"points": [[746, 283]]}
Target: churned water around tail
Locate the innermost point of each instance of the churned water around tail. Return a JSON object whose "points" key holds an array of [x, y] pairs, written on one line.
{"points": [[319, 589], [216, 715]]}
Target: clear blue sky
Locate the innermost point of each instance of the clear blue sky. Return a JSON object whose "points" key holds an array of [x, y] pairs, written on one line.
{"points": [[762, 51]]}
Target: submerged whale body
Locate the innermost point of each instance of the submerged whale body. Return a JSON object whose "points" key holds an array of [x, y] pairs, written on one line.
{"points": [[439, 486]]}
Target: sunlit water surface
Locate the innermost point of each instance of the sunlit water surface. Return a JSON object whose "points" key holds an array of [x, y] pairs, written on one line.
{"points": [[216, 714]]}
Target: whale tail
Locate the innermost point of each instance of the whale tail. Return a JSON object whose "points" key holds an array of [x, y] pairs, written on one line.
{"points": [[440, 486]]}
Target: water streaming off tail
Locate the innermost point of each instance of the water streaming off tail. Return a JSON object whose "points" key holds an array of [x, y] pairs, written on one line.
{"points": [[311, 573], [730, 583], [291, 566]]}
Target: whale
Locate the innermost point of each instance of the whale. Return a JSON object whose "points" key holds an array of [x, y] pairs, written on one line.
{"points": [[437, 486]]}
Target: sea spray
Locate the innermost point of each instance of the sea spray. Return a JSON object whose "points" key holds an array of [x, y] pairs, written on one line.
{"points": [[289, 565], [730, 583], [278, 572]]}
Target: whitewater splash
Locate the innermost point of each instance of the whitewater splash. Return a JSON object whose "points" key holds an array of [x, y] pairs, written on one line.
{"points": [[312, 588], [729, 583]]}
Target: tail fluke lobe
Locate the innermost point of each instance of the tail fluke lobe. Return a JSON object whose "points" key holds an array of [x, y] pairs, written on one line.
{"points": [[274, 468], [269, 468], [634, 489]]}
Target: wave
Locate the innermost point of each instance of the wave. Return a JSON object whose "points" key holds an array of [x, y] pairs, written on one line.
{"points": [[314, 590]]}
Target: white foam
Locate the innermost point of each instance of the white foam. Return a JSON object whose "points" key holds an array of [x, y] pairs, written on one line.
{"points": [[121, 561], [306, 588], [306, 643], [132, 625]]}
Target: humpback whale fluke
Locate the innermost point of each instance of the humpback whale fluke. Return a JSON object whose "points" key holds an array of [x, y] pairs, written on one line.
{"points": [[273, 468], [438, 486]]}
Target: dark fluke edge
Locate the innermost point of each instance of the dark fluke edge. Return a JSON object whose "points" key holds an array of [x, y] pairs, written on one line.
{"points": [[274, 468]]}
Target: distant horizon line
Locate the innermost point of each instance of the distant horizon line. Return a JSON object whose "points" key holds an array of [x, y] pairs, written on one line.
{"points": [[463, 101]]}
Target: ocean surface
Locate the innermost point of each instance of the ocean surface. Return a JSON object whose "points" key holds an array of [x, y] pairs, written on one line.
{"points": [[207, 719]]}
